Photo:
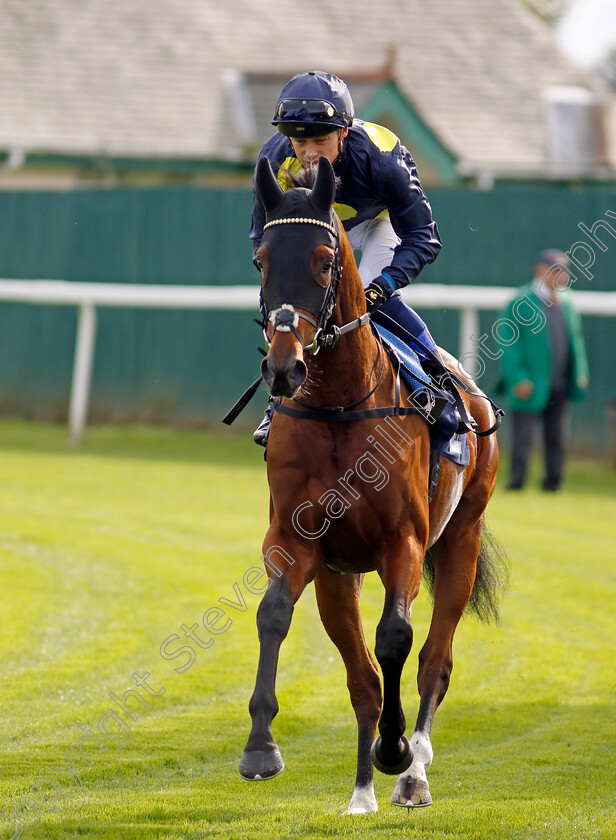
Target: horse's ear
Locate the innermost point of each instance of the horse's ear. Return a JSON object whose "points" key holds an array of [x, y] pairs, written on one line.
{"points": [[324, 190], [268, 187]]}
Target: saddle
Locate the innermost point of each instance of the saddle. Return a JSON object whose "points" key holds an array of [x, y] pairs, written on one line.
{"points": [[443, 406]]}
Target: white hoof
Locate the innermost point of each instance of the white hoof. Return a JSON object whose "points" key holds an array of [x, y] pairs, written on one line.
{"points": [[363, 801]]}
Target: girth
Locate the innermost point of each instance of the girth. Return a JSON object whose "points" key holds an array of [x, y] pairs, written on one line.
{"points": [[338, 414]]}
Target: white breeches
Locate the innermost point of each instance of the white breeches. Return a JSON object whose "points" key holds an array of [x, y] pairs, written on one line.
{"points": [[376, 240]]}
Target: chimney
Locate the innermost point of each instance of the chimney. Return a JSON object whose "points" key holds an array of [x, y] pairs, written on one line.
{"points": [[575, 132]]}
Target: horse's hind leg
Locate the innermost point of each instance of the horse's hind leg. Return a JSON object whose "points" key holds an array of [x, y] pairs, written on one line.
{"points": [[455, 559], [338, 601]]}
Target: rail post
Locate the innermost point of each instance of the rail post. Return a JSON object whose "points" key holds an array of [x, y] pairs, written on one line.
{"points": [[82, 371], [469, 333]]}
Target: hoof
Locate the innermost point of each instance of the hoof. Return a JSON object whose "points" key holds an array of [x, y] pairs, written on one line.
{"points": [[412, 793], [406, 757], [261, 764], [363, 801]]}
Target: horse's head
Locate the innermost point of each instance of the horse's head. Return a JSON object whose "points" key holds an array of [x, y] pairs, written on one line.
{"points": [[299, 260]]}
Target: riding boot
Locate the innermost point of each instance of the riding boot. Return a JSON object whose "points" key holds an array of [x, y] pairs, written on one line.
{"points": [[406, 324], [261, 433]]}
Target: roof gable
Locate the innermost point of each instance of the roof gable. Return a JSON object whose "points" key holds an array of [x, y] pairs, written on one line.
{"points": [[387, 105], [162, 80]]}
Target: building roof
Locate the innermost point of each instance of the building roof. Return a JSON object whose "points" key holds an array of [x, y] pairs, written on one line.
{"points": [[157, 78]]}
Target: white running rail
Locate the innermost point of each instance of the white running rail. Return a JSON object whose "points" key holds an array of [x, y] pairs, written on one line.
{"points": [[469, 300]]}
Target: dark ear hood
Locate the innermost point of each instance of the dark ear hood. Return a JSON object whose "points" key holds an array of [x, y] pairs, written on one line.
{"points": [[299, 222], [269, 189], [320, 198], [324, 190]]}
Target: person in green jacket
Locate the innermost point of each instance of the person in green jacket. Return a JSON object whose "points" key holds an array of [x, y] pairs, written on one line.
{"points": [[544, 368]]}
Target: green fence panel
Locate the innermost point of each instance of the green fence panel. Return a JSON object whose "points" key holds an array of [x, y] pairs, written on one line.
{"points": [[189, 366], [493, 236]]}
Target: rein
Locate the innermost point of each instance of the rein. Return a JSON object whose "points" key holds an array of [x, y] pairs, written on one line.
{"points": [[346, 408]]}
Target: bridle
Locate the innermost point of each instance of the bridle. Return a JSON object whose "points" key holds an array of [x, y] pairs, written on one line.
{"points": [[285, 318]]}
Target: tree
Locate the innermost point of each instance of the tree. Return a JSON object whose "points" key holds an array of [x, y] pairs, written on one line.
{"points": [[549, 11]]}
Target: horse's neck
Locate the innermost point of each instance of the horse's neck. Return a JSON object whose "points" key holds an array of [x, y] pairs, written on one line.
{"points": [[349, 370]]}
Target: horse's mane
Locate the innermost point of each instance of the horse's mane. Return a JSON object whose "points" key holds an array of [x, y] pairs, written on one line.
{"points": [[304, 178]]}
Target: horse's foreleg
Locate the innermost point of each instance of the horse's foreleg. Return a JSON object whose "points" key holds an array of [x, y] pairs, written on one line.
{"points": [[261, 758], [401, 574], [291, 568], [338, 602], [455, 558]]}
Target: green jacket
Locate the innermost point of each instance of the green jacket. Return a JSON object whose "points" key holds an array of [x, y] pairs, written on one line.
{"points": [[529, 356]]}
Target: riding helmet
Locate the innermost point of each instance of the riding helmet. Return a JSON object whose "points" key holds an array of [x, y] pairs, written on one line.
{"points": [[313, 104]]}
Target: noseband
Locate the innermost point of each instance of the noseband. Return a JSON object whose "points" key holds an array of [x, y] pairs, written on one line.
{"points": [[286, 319]]}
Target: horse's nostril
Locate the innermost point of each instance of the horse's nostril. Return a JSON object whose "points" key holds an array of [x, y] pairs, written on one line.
{"points": [[266, 371], [283, 381], [298, 374]]}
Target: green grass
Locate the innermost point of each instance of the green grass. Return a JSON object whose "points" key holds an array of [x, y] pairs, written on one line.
{"points": [[105, 551]]}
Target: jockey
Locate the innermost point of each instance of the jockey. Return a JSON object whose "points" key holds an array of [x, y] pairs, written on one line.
{"points": [[379, 199]]}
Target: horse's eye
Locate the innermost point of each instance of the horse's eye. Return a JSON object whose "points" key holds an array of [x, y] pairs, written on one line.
{"points": [[327, 266]]}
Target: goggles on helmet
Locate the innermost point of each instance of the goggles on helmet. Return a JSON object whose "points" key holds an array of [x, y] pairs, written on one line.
{"points": [[314, 110]]}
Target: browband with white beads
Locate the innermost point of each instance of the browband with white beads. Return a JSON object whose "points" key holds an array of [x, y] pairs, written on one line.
{"points": [[318, 222]]}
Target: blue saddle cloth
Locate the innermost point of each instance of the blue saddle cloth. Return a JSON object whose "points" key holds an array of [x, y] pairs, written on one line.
{"points": [[411, 370], [443, 434]]}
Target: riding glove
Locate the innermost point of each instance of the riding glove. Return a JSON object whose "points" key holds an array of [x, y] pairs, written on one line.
{"points": [[376, 294]]}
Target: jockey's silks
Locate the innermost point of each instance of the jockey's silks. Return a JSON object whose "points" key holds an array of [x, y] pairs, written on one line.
{"points": [[377, 175]]}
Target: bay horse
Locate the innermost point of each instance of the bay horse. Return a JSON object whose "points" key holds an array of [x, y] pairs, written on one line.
{"points": [[351, 497]]}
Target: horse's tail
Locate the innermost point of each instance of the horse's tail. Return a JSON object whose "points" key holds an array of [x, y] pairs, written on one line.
{"points": [[491, 578]]}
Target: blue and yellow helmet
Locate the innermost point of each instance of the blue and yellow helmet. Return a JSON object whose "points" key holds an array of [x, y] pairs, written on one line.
{"points": [[313, 104]]}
